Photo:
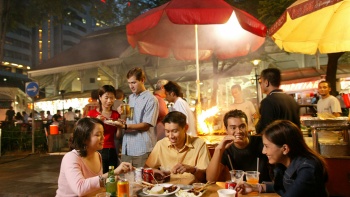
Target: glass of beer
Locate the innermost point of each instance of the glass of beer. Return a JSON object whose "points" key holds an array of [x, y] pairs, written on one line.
{"points": [[126, 110]]}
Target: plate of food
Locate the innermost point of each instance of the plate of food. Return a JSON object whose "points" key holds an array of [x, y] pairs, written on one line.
{"points": [[189, 193], [161, 189], [113, 122]]}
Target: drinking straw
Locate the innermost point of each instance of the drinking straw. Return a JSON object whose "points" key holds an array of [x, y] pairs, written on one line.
{"points": [[257, 164], [229, 159]]}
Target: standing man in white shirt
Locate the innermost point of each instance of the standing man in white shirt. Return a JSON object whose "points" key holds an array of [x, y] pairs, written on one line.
{"points": [[173, 92], [327, 102], [246, 106], [69, 120]]}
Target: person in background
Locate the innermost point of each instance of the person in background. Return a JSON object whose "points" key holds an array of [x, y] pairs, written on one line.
{"points": [[119, 97], [25, 117], [173, 94], [139, 135], [69, 120], [277, 105], [184, 156], [110, 117], [48, 116], [159, 93], [246, 106], [299, 171], [42, 115], [58, 112], [81, 168], [10, 113], [344, 109], [77, 114], [315, 99], [57, 121], [93, 103], [327, 102], [242, 149], [70, 115], [19, 117]]}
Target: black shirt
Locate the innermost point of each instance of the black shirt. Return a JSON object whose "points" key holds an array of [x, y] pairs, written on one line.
{"points": [[278, 106], [246, 159]]}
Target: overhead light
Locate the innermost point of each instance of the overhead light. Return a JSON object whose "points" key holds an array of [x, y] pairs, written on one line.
{"points": [[28, 67], [99, 78], [256, 62], [20, 66], [78, 78], [5, 79]]}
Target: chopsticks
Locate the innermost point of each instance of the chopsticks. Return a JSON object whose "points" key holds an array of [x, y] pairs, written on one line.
{"points": [[146, 183]]}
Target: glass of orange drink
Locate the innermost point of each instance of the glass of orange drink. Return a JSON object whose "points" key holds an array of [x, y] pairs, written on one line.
{"points": [[252, 178]]}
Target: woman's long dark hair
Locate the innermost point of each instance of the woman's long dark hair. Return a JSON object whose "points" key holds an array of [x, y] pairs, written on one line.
{"points": [[282, 132], [82, 134]]}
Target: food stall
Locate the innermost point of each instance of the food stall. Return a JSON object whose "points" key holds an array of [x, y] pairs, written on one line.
{"points": [[330, 138]]}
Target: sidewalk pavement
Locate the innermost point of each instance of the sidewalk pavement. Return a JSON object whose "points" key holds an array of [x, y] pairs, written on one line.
{"points": [[31, 175]]}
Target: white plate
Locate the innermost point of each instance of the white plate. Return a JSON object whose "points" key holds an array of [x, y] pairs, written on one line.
{"points": [[184, 193], [146, 191]]}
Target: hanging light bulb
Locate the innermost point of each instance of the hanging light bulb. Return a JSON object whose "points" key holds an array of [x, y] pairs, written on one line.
{"points": [[99, 78]]}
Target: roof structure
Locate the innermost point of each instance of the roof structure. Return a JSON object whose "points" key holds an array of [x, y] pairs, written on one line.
{"points": [[97, 46]]}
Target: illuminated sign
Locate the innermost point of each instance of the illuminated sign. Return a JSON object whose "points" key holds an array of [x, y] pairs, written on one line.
{"points": [[300, 86]]}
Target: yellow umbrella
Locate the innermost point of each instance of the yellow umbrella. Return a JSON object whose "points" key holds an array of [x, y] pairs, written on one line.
{"points": [[310, 25]]}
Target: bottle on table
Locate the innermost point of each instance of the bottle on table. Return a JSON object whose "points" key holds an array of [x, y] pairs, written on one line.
{"points": [[111, 186]]}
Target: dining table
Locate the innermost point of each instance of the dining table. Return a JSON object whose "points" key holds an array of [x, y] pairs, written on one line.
{"points": [[210, 191]]}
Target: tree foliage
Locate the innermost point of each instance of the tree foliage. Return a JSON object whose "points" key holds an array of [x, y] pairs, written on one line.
{"points": [[269, 11]]}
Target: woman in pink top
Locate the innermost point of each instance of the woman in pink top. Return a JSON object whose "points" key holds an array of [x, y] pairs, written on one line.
{"points": [[106, 97], [81, 168]]}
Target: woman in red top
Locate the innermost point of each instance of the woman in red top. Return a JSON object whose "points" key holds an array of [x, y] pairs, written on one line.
{"points": [[105, 113]]}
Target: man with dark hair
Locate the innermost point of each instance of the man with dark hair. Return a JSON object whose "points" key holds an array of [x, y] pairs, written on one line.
{"points": [[172, 94], [179, 155], [277, 105], [139, 135], [327, 103], [239, 148]]}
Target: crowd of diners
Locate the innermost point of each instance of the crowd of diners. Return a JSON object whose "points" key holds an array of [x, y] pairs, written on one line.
{"points": [[287, 165]]}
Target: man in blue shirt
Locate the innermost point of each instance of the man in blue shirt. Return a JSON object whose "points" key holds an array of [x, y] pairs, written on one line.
{"points": [[139, 133]]}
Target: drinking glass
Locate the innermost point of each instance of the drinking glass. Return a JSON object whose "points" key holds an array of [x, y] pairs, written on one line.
{"points": [[236, 175], [253, 179]]}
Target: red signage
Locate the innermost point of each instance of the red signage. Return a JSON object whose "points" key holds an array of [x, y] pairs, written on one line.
{"points": [[300, 86]]}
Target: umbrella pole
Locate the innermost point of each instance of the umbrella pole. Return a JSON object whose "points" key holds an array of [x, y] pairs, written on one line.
{"points": [[198, 106], [197, 65]]}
